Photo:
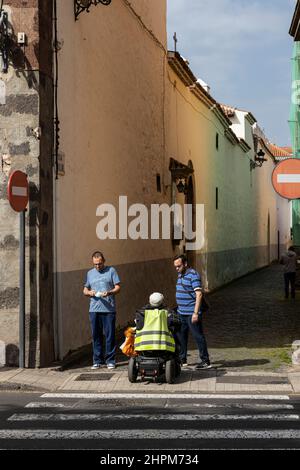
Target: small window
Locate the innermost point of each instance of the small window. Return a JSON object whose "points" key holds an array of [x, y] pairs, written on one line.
{"points": [[158, 183], [217, 141], [217, 198]]}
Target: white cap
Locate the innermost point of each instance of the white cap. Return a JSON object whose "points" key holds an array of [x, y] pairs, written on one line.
{"points": [[156, 299]]}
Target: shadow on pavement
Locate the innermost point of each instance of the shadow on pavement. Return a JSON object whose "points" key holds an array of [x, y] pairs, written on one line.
{"points": [[241, 363]]}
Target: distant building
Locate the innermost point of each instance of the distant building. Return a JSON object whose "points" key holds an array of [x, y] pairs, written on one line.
{"points": [[294, 113]]}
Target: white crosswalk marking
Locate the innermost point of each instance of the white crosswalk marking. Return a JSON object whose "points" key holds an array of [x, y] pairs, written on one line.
{"points": [[153, 434], [148, 417], [187, 396], [47, 405], [176, 417], [256, 406]]}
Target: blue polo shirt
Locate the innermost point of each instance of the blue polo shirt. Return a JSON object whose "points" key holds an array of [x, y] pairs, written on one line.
{"points": [[186, 285], [102, 281]]}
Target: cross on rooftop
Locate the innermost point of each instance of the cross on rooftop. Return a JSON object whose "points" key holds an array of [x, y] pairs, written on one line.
{"points": [[175, 41]]}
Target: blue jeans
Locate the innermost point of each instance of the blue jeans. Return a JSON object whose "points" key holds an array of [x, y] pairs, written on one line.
{"points": [[197, 332], [103, 323]]}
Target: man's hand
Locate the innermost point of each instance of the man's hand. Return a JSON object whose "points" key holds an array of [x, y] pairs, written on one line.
{"points": [[89, 293], [195, 317]]}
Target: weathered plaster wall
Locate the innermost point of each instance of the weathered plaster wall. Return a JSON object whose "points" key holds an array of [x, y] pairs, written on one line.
{"points": [[111, 110]]}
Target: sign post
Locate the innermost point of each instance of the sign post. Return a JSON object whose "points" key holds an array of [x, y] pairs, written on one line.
{"points": [[18, 196]]}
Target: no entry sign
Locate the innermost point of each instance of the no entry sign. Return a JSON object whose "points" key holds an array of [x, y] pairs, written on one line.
{"points": [[17, 191], [18, 196], [286, 178]]}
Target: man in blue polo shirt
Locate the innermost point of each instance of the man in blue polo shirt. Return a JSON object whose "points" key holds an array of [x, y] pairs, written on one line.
{"points": [[188, 297], [102, 284]]}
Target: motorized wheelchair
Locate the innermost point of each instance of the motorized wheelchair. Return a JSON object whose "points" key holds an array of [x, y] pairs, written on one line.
{"points": [[156, 365]]}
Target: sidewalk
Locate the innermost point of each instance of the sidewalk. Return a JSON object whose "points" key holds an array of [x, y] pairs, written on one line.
{"points": [[190, 380], [249, 330]]}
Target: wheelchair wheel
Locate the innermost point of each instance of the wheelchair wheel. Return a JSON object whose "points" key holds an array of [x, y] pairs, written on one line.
{"points": [[132, 370], [177, 368], [170, 371]]}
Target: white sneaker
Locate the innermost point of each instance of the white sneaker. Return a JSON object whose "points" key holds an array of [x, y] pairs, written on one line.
{"points": [[95, 366], [111, 366]]}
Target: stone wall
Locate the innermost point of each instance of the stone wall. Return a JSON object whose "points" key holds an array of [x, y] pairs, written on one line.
{"points": [[26, 122]]}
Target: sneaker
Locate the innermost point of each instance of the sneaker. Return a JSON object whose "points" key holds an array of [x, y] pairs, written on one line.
{"points": [[95, 366], [184, 364], [111, 366], [203, 365]]}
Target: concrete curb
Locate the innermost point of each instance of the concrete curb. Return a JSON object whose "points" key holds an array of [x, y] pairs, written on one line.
{"points": [[52, 380], [18, 387]]}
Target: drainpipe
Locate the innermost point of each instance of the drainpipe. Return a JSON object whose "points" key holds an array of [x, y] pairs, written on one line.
{"points": [[55, 177]]}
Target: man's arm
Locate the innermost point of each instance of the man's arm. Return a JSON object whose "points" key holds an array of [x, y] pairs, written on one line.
{"points": [[195, 317], [140, 319], [113, 291], [88, 292], [174, 321]]}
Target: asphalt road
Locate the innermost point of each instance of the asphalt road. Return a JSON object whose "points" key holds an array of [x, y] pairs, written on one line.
{"points": [[74, 422]]}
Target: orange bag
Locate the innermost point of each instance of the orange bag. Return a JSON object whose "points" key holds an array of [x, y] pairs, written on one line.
{"points": [[127, 347]]}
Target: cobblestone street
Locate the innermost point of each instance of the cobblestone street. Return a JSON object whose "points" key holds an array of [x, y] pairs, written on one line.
{"points": [[250, 323]]}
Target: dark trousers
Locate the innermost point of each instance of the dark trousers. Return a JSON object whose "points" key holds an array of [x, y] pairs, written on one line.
{"points": [[103, 323], [289, 279], [198, 335]]}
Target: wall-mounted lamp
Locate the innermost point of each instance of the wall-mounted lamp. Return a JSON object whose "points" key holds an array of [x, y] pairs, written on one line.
{"points": [[181, 185], [258, 160], [180, 174], [84, 5]]}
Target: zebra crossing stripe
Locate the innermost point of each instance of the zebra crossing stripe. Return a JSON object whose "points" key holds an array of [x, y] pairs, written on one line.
{"points": [[255, 406], [147, 434], [264, 406], [135, 396], [154, 417], [42, 404]]}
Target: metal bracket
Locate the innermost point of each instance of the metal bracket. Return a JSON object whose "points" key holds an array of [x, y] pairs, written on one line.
{"points": [[84, 5]]}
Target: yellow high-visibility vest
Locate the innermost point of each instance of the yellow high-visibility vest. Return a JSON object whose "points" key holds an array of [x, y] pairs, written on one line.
{"points": [[155, 334]]}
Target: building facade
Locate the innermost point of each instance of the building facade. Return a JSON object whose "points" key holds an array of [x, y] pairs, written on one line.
{"points": [[294, 113], [246, 223], [104, 119], [26, 139]]}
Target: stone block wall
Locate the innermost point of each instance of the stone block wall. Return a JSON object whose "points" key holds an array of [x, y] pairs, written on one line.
{"points": [[26, 144]]}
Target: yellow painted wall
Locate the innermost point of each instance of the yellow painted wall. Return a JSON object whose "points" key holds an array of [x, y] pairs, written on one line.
{"points": [[111, 75], [111, 109], [238, 230], [121, 120]]}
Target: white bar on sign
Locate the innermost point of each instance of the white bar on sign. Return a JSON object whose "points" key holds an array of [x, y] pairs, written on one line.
{"points": [[291, 178], [19, 191]]}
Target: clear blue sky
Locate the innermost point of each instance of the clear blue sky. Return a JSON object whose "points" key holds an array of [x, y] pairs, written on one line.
{"points": [[243, 50]]}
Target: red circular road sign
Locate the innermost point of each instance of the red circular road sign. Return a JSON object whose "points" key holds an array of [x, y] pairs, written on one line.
{"points": [[18, 191], [286, 178]]}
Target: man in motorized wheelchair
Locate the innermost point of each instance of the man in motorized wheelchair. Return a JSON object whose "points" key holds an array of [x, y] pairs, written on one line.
{"points": [[156, 342]]}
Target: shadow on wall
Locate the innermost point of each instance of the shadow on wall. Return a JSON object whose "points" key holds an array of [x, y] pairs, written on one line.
{"points": [[12, 355], [19, 61], [32, 326]]}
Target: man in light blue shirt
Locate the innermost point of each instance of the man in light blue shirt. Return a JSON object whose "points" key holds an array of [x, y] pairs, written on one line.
{"points": [[102, 284]]}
